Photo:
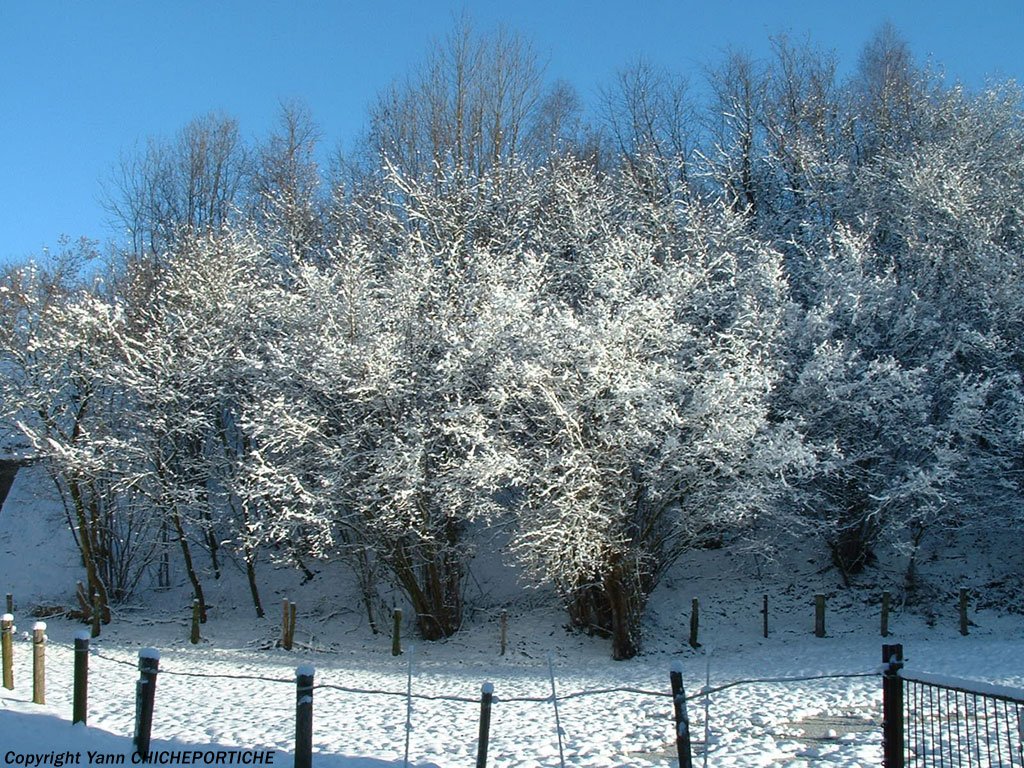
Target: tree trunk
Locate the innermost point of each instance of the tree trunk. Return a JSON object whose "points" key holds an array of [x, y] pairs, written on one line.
{"points": [[433, 584], [186, 553], [624, 604], [250, 573], [612, 608], [86, 541]]}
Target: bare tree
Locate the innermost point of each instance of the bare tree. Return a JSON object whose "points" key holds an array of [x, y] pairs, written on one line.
{"points": [[651, 122], [172, 189], [286, 185], [467, 109], [887, 91], [735, 123]]}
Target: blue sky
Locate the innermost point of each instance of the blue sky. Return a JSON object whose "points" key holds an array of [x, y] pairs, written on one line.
{"points": [[82, 82]]}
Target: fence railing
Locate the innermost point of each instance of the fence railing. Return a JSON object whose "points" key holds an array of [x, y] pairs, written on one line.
{"points": [[928, 719], [936, 720]]}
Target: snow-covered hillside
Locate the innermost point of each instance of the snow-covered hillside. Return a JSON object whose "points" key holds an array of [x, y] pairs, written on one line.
{"points": [[235, 690]]}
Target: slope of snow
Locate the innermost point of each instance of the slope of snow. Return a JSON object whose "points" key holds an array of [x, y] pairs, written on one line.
{"points": [[236, 689]]}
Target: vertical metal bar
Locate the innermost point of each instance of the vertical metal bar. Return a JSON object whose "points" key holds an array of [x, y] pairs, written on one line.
{"points": [[977, 729], [486, 697], [80, 706], [145, 697], [554, 701], [892, 707], [682, 718], [304, 716]]}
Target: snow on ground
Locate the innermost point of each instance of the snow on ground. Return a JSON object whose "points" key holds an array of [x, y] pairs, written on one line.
{"points": [[235, 690]]}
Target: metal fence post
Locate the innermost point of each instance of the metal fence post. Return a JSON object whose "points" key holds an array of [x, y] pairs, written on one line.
{"points": [[80, 706], [145, 697], [486, 697], [304, 716], [681, 717], [892, 707]]}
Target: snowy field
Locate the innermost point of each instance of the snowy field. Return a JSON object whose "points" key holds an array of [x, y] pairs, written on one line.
{"points": [[235, 690]]}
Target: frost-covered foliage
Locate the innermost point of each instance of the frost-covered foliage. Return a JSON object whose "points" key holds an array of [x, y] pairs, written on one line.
{"points": [[57, 341], [635, 403], [803, 310]]}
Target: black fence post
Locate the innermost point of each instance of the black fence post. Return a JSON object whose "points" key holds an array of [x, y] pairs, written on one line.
{"points": [[764, 611], [80, 706], [681, 717], [304, 716], [504, 631], [396, 633], [145, 698], [819, 615], [694, 622], [486, 697], [892, 707], [193, 636]]}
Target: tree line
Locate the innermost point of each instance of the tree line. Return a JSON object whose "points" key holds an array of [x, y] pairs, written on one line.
{"points": [[602, 338]]}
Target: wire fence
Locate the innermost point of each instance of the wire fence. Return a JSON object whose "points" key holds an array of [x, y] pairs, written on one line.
{"points": [[682, 720]]}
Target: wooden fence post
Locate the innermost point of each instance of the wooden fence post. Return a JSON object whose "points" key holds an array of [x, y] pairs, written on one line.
{"points": [[194, 635], [694, 622], [291, 624], [7, 631], [10, 603], [486, 697], [284, 625], [964, 596], [886, 600], [287, 624], [304, 716], [145, 698], [764, 612], [39, 662], [96, 614], [892, 707], [80, 699], [504, 631], [682, 719], [819, 615], [396, 633]]}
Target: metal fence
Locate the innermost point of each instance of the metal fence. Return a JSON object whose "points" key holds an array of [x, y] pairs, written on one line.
{"points": [[936, 720]]}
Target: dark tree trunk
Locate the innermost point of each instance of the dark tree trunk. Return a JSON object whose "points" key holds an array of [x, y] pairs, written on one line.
{"points": [[250, 572], [432, 580], [8, 469], [186, 553], [612, 608]]}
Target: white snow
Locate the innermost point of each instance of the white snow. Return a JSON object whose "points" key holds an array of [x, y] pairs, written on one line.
{"points": [[236, 690]]}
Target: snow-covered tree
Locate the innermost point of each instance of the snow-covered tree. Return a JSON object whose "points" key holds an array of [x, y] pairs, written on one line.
{"points": [[635, 404], [57, 339]]}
